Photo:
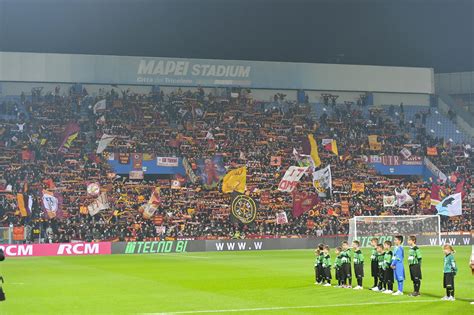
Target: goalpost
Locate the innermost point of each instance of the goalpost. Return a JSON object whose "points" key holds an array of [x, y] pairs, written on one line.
{"points": [[426, 228]]}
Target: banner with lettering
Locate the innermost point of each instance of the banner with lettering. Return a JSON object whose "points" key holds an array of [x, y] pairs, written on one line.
{"points": [[167, 161], [291, 178]]}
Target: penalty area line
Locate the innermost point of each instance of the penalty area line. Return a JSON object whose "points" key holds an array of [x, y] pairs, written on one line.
{"points": [[278, 308]]}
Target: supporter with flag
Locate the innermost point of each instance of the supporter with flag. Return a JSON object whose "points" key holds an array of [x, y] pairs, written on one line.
{"points": [[450, 206], [51, 204], [310, 147], [71, 132], [322, 181], [99, 106], [104, 141], [25, 209], [435, 195], [235, 180], [330, 145], [403, 197], [303, 202]]}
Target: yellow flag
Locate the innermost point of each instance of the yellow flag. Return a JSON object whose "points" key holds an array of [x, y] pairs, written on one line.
{"points": [[374, 144], [235, 180], [314, 151], [334, 147]]}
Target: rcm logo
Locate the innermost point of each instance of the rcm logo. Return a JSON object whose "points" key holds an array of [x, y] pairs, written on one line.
{"points": [[78, 249], [18, 250]]}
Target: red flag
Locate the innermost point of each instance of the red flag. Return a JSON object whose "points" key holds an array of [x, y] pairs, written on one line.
{"points": [[435, 197], [137, 159], [275, 161], [303, 201], [460, 188]]}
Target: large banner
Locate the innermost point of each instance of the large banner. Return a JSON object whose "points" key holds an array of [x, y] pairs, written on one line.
{"points": [[291, 178], [56, 249], [123, 164], [211, 171]]}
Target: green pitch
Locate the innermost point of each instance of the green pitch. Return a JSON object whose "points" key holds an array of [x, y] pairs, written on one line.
{"points": [[264, 282]]}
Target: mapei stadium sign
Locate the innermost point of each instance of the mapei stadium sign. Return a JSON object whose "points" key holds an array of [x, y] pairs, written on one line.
{"points": [[185, 68]]}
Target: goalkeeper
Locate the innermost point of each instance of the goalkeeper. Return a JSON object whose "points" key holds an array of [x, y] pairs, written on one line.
{"points": [[397, 264]]}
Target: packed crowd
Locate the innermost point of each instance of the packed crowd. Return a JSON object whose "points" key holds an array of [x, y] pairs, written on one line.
{"points": [[195, 125]]}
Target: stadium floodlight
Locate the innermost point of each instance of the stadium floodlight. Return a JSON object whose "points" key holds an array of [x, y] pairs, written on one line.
{"points": [[426, 228]]}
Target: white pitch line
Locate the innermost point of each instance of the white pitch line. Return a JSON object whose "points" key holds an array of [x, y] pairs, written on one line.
{"points": [[235, 310], [184, 255], [178, 255]]}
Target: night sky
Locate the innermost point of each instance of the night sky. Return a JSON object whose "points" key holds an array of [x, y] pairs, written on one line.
{"points": [[423, 33]]}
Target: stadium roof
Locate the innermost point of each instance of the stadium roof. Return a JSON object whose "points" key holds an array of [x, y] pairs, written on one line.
{"points": [[422, 33]]}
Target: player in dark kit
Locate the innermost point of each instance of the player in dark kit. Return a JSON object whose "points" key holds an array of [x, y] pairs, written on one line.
{"points": [[380, 260], [374, 264], [318, 269], [387, 271], [2, 294], [414, 261], [320, 264], [346, 265], [327, 266], [358, 264]]}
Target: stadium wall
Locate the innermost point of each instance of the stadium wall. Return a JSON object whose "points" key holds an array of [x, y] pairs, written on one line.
{"points": [[95, 69], [381, 99]]}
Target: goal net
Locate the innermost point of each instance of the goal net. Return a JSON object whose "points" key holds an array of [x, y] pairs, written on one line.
{"points": [[424, 227], [6, 234]]}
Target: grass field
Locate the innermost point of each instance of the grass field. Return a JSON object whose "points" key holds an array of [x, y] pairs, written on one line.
{"points": [[265, 282]]}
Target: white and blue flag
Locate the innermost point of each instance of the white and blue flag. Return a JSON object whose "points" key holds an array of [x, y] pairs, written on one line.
{"points": [[450, 206]]}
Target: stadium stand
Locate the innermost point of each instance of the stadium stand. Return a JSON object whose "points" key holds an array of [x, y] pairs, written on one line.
{"points": [[193, 124]]}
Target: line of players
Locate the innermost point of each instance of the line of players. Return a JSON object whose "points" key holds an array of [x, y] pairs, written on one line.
{"points": [[386, 266]]}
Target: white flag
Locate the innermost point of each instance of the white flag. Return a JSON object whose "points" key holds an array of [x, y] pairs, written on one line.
{"points": [[101, 203], [389, 201], [100, 105], [50, 202], [291, 178], [104, 142], [322, 181], [281, 218], [405, 153], [403, 197], [451, 205]]}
